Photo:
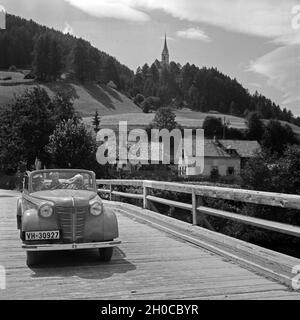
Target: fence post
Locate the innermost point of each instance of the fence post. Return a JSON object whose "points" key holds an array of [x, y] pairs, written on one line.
{"points": [[194, 204], [145, 193], [110, 192]]}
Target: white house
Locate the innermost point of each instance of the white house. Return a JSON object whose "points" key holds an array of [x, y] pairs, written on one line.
{"points": [[222, 157]]}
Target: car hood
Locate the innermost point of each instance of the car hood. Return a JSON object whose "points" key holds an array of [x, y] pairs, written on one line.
{"points": [[65, 197]]}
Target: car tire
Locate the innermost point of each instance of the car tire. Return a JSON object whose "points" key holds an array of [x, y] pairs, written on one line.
{"points": [[33, 258], [106, 254]]}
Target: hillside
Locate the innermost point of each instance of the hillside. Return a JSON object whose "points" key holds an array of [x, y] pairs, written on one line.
{"points": [[50, 56], [112, 105], [201, 89], [87, 98], [49, 53], [185, 117]]}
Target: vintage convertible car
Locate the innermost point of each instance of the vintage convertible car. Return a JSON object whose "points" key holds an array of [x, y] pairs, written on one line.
{"points": [[60, 210]]}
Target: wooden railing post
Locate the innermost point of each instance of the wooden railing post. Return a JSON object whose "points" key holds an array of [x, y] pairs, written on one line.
{"points": [[198, 216], [110, 192], [194, 204], [145, 193]]}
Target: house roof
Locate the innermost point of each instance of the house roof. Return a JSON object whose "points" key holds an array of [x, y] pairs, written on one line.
{"points": [[212, 149], [244, 148], [219, 148]]}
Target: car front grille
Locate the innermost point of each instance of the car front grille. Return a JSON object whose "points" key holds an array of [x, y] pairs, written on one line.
{"points": [[72, 221]]}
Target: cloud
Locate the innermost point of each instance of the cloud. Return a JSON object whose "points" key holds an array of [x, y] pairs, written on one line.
{"points": [[281, 67], [194, 34], [2, 18], [264, 18], [68, 29], [117, 9]]}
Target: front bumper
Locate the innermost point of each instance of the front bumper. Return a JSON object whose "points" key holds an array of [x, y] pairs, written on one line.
{"points": [[70, 246]]}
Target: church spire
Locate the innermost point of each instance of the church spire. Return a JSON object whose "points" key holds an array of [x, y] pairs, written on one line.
{"points": [[166, 47], [165, 53]]}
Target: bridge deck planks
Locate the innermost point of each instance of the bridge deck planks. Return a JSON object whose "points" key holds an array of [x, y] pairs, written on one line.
{"points": [[149, 264]]}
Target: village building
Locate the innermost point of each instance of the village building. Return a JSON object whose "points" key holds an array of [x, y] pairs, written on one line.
{"points": [[223, 158]]}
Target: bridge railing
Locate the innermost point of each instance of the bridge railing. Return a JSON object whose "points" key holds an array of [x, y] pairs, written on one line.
{"points": [[199, 211]]}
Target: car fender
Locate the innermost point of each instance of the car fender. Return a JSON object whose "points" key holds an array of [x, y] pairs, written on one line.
{"points": [[19, 213], [111, 230], [32, 221]]}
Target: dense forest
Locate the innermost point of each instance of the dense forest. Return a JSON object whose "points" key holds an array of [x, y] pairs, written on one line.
{"points": [[201, 89], [49, 54]]}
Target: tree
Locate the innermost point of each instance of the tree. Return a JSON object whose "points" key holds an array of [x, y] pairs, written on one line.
{"points": [[95, 64], [138, 99], [267, 172], [203, 106], [150, 103], [256, 175], [164, 119], [25, 128], [233, 109], [276, 137], [79, 59], [222, 107], [154, 73], [255, 126], [193, 98], [72, 146], [111, 73], [26, 125], [145, 71], [212, 127], [286, 173], [234, 134], [146, 105], [47, 61], [55, 58], [63, 105], [96, 122], [41, 58]]}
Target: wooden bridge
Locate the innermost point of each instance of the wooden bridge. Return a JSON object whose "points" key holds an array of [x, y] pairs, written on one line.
{"points": [[160, 257]]}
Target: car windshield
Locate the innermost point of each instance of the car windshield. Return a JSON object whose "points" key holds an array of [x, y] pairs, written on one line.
{"points": [[55, 180]]}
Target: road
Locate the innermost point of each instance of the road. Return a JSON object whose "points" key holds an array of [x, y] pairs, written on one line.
{"points": [[149, 264]]}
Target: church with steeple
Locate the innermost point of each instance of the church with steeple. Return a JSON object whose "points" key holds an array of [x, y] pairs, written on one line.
{"points": [[165, 58]]}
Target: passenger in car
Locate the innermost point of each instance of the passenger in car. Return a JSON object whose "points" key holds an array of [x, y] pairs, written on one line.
{"points": [[77, 181], [38, 183], [55, 182]]}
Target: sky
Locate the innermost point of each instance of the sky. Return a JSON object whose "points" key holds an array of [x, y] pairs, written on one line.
{"points": [[257, 42]]}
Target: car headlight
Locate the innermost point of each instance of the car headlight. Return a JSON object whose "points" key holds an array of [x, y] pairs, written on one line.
{"points": [[46, 210], [95, 208]]}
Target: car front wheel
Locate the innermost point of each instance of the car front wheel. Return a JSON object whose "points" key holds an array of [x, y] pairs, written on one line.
{"points": [[105, 254], [33, 258]]}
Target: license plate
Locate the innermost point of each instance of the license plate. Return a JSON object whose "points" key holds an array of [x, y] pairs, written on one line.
{"points": [[42, 235]]}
